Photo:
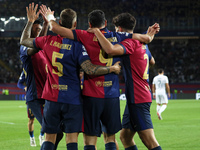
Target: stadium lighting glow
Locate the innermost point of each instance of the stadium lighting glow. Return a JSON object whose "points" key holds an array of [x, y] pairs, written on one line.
{"points": [[12, 18], [3, 19]]}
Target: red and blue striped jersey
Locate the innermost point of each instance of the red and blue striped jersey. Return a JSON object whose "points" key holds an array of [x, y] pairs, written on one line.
{"points": [[106, 86], [35, 74], [136, 66], [64, 57]]}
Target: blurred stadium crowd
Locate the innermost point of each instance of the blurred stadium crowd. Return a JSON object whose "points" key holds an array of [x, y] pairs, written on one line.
{"points": [[179, 57], [155, 8]]}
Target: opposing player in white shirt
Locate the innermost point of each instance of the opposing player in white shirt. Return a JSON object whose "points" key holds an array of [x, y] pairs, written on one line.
{"points": [[159, 88]]}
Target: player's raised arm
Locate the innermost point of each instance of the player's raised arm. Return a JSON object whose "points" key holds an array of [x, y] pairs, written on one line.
{"points": [[56, 28], [108, 47], [92, 69], [45, 23], [147, 38], [32, 16]]}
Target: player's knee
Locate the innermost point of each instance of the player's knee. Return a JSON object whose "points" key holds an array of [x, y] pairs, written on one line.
{"points": [[109, 138], [124, 139], [31, 121], [149, 140]]}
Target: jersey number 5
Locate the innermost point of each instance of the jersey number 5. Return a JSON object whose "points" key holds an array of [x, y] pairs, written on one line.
{"points": [[57, 64]]}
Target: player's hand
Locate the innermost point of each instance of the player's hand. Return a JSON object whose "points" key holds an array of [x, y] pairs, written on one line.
{"points": [[117, 67], [25, 88], [169, 95], [92, 30], [154, 29], [31, 12], [45, 12]]}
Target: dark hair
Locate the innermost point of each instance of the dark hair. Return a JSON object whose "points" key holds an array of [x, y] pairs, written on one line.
{"points": [[160, 70], [67, 17], [97, 18], [38, 21], [125, 20]]}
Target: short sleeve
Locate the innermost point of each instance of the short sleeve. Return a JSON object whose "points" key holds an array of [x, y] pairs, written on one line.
{"points": [[167, 81], [153, 81], [83, 55], [39, 42], [81, 35], [129, 46], [23, 50]]}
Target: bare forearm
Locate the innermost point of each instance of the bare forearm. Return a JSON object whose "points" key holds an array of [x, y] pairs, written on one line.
{"points": [[106, 45], [25, 37], [62, 31], [153, 88], [44, 29], [168, 89], [26, 32], [144, 38], [91, 69]]}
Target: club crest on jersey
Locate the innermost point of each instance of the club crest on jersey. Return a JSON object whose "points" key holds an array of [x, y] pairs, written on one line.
{"points": [[144, 46]]}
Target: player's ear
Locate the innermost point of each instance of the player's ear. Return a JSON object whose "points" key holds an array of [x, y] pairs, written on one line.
{"points": [[90, 25], [60, 22], [75, 24], [120, 29], [105, 23]]}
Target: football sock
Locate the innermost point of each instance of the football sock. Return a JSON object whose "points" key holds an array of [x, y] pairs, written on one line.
{"points": [[47, 146], [163, 107], [158, 108], [110, 146], [72, 146], [134, 147], [157, 148], [31, 134], [89, 147], [58, 138]]}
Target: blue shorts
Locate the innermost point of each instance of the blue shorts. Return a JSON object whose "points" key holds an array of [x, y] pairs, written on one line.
{"points": [[61, 116], [126, 119], [101, 114], [140, 116], [37, 107]]}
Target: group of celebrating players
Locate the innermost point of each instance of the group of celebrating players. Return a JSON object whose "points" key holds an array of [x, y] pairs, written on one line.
{"points": [[52, 64]]}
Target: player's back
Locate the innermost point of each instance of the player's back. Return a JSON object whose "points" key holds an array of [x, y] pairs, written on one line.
{"points": [[136, 65], [160, 81], [64, 57], [106, 86]]}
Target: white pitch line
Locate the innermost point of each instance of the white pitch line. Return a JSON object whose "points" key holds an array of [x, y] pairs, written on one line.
{"points": [[7, 122], [22, 106]]}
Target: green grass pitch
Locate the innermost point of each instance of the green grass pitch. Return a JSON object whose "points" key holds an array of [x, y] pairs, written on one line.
{"points": [[179, 129]]}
